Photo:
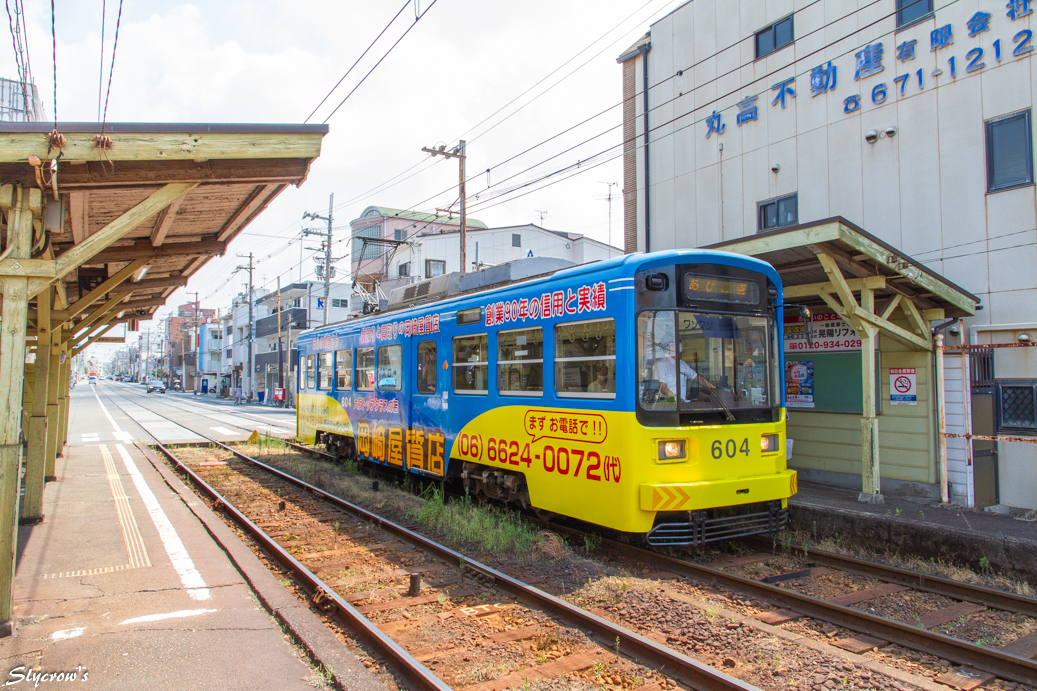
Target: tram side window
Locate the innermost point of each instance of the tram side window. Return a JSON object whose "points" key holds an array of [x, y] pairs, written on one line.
{"points": [[390, 367], [426, 367], [471, 364], [585, 359], [324, 363], [365, 369], [344, 370], [520, 362], [311, 372]]}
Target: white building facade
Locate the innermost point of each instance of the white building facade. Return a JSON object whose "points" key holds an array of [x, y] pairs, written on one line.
{"points": [[912, 122]]}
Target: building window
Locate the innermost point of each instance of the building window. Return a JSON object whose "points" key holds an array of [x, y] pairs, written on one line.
{"points": [[340, 302], [471, 364], [434, 267], [1009, 152], [520, 362], [909, 11], [427, 367], [778, 213], [777, 35], [398, 235], [516, 240], [403, 270], [372, 251], [585, 359], [1017, 406]]}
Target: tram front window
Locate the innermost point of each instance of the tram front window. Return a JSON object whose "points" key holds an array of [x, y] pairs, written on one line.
{"points": [[705, 362]]}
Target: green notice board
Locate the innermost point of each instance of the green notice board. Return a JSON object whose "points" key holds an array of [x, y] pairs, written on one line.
{"points": [[837, 381]]}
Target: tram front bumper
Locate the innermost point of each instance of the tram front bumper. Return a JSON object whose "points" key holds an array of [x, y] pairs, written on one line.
{"points": [[710, 494]]}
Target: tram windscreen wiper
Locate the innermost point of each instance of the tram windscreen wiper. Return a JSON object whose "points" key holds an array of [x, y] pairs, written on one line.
{"points": [[711, 389]]}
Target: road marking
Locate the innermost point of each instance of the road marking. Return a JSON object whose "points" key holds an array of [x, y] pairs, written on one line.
{"points": [[224, 430], [67, 633], [91, 438], [189, 575], [170, 615]]}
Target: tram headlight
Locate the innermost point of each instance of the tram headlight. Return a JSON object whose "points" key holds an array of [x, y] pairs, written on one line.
{"points": [[769, 443], [670, 450]]}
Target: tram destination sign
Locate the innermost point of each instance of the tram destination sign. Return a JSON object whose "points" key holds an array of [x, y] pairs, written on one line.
{"points": [[721, 289]]}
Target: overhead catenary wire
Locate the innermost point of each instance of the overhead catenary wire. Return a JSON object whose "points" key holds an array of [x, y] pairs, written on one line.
{"points": [[414, 24], [100, 70], [380, 34], [115, 47], [54, 54]]}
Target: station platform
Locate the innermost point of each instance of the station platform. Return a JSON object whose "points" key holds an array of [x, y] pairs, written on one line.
{"points": [[920, 527], [130, 582]]}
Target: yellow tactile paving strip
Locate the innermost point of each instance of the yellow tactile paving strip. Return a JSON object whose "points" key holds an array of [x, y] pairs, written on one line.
{"points": [[136, 552]]}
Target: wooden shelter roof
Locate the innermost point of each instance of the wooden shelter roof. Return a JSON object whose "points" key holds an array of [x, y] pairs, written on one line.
{"points": [[860, 256], [168, 196]]}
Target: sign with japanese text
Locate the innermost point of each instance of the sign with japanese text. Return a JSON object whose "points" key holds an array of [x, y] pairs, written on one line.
{"points": [[902, 386], [830, 335], [586, 298], [415, 326], [799, 384]]}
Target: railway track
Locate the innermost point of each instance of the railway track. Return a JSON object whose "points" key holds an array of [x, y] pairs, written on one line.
{"points": [[787, 593], [504, 615]]}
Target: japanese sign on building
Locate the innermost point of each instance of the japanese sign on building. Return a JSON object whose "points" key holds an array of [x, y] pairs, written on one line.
{"points": [[902, 386], [830, 335]]}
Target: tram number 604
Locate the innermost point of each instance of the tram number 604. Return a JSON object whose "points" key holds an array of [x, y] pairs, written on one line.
{"points": [[729, 448]]}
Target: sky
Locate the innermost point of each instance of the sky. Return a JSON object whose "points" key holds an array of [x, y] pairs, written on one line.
{"points": [[504, 76]]}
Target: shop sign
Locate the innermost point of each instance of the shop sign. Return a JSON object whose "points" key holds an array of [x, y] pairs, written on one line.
{"points": [[830, 335], [902, 386], [799, 384]]}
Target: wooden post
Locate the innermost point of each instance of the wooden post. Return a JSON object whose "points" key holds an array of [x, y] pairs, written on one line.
{"points": [[941, 413], [12, 371], [870, 475], [36, 432], [53, 403], [66, 377]]}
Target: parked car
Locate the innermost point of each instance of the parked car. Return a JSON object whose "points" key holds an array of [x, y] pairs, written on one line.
{"points": [[156, 385]]}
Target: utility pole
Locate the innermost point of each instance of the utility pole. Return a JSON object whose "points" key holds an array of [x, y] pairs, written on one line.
{"points": [[327, 253], [280, 350], [457, 152], [251, 323], [609, 199]]}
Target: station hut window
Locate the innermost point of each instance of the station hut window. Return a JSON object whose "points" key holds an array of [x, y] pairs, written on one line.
{"points": [[1009, 152], [520, 362], [776, 36], [344, 370], [471, 364], [910, 11], [778, 213], [365, 369], [403, 270], [434, 267], [516, 240], [324, 363], [427, 365], [585, 359], [390, 367], [311, 372], [1017, 406]]}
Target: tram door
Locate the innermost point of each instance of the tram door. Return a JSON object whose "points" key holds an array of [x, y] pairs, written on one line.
{"points": [[425, 442]]}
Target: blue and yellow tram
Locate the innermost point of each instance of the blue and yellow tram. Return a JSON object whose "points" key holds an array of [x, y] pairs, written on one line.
{"points": [[644, 393]]}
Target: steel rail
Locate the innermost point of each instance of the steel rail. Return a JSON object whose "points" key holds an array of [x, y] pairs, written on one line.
{"points": [[997, 599], [997, 662], [686, 669], [416, 674]]}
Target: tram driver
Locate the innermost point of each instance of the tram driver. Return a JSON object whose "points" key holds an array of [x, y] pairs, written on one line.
{"points": [[665, 371]]}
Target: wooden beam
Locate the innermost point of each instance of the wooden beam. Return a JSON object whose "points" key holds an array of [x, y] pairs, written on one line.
{"points": [[891, 306], [125, 253], [146, 302], [109, 307], [842, 289], [164, 222], [97, 338], [83, 252], [916, 320], [252, 205], [28, 268], [933, 315], [96, 175], [108, 339], [157, 146], [160, 282], [101, 327], [811, 289], [106, 287], [79, 213], [892, 330]]}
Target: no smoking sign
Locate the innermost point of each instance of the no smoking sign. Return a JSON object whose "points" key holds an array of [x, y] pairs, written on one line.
{"points": [[902, 386]]}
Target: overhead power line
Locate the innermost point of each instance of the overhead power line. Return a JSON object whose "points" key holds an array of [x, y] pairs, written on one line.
{"points": [[115, 47]]}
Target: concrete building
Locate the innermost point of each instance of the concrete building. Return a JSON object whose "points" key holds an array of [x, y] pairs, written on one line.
{"points": [[183, 342], [904, 127]]}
